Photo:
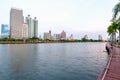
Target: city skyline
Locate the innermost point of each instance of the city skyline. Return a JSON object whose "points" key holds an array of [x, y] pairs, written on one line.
{"points": [[20, 28], [76, 17]]}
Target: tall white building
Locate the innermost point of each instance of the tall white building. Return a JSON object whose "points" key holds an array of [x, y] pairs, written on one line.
{"points": [[16, 21], [35, 27], [71, 37], [32, 26], [99, 37], [29, 21], [113, 37]]}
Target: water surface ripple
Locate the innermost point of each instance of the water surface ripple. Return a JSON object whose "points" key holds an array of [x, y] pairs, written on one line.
{"points": [[52, 61]]}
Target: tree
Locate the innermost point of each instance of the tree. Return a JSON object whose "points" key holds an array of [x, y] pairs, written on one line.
{"points": [[112, 29], [116, 10], [118, 28]]}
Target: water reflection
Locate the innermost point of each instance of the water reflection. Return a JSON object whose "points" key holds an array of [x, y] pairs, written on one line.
{"points": [[59, 61], [22, 58]]}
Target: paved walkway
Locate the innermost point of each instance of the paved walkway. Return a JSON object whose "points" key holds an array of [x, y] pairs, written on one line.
{"points": [[112, 69]]}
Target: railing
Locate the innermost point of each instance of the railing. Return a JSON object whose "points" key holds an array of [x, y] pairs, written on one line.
{"points": [[109, 61], [106, 70]]}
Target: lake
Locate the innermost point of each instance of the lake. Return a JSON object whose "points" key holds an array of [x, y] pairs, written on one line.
{"points": [[52, 61]]}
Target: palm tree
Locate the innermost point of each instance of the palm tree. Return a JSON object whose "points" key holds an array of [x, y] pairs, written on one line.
{"points": [[118, 28], [112, 30], [116, 10]]}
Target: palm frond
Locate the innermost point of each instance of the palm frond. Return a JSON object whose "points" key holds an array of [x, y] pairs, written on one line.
{"points": [[116, 10]]}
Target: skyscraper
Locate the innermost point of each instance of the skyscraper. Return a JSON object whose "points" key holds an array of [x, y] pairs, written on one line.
{"points": [[16, 21], [99, 37], [29, 21], [35, 27], [63, 35], [32, 26], [5, 30], [71, 37]]}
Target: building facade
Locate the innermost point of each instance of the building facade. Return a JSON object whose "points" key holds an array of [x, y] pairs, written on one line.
{"points": [[63, 35], [56, 37], [16, 21], [99, 37], [86, 37], [32, 26], [35, 27], [5, 31], [29, 22], [113, 37], [25, 30], [71, 37], [46, 35]]}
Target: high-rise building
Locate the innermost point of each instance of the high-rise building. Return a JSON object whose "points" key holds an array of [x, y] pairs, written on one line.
{"points": [[50, 32], [29, 21], [25, 30], [63, 35], [16, 21], [5, 31], [86, 37], [32, 26], [56, 37], [99, 37], [113, 37], [46, 35], [71, 37], [35, 27]]}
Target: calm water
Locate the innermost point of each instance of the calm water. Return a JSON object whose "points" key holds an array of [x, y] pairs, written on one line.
{"points": [[52, 61]]}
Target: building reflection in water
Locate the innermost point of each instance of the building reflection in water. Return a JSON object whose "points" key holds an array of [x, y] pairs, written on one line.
{"points": [[22, 57]]}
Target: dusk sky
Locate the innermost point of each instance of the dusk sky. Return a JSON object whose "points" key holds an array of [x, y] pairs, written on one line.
{"points": [[77, 17]]}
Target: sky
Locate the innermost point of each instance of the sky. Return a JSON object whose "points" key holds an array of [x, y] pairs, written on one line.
{"points": [[77, 17]]}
